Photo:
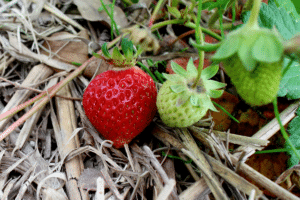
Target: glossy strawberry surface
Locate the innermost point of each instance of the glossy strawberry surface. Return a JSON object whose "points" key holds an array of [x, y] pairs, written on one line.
{"points": [[120, 104]]}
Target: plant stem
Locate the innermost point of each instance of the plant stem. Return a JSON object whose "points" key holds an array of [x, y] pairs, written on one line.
{"points": [[282, 129], [148, 71], [254, 14], [199, 40], [204, 30], [167, 22], [156, 9]]}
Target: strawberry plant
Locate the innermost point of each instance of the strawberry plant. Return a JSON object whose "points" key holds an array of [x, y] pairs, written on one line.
{"points": [[120, 103]]}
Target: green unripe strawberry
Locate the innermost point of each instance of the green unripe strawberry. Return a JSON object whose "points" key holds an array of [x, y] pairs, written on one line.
{"points": [[257, 87], [173, 115], [180, 101], [252, 58]]}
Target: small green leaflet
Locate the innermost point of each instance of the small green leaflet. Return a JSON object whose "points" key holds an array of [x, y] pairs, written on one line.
{"points": [[290, 82], [294, 130], [127, 48], [105, 50], [289, 7], [270, 15]]}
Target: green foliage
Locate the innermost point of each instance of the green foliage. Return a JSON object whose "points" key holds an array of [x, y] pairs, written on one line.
{"points": [[294, 130], [129, 56], [291, 6], [270, 15], [290, 82]]}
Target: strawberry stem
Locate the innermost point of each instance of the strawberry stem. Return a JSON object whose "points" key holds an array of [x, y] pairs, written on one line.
{"points": [[253, 22], [282, 129], [154, 14], [199, 40]]}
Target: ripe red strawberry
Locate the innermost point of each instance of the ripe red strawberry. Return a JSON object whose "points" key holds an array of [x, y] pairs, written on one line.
{"points": [[120, 104]]}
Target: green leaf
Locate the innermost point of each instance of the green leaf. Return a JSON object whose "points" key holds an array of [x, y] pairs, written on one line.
{"points": [[174, 11], [267, 49], [294, 130], [105, 50], [191, 67], [178, 69], [134, 1], [209, 72], [290, 7], [229, 47], [127, 48], [270, 15], [290, 82], [177, 88]]}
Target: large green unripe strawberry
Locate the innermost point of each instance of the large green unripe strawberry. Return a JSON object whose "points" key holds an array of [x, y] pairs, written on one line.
{"points": [[181, 102], [252, 58], [258, 87], [120, 103]]}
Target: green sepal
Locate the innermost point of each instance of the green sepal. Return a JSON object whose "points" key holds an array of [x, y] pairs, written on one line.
{"points": [[213, 85], [228, 47], [209, 72], [182, 99], [116, 55], [139, 50], [194, 100], [215, 93], [245, 55], [95, 55], [206, 102], [127, 48], [267, 48], [174, 11], [178, 69], [173, 77], [191, 69], [177, 88], [105, 50]]}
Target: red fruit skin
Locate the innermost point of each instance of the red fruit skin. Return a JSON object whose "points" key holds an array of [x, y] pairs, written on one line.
{"points": [[120, 104]]}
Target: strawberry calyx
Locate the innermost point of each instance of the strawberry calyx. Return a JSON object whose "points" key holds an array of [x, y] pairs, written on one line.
{"points": [[251, 44], [199, 94], [125, 60]]}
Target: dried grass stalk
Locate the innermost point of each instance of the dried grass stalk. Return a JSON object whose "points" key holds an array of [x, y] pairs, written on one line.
{"points": [[191, 149], [31, 122], [269, 130], [69, 142], [263, 181], [36, 74]]}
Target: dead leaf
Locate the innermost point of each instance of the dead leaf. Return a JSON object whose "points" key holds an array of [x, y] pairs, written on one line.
{"points": [[73, 50], [89, 11], [88, 179]]}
